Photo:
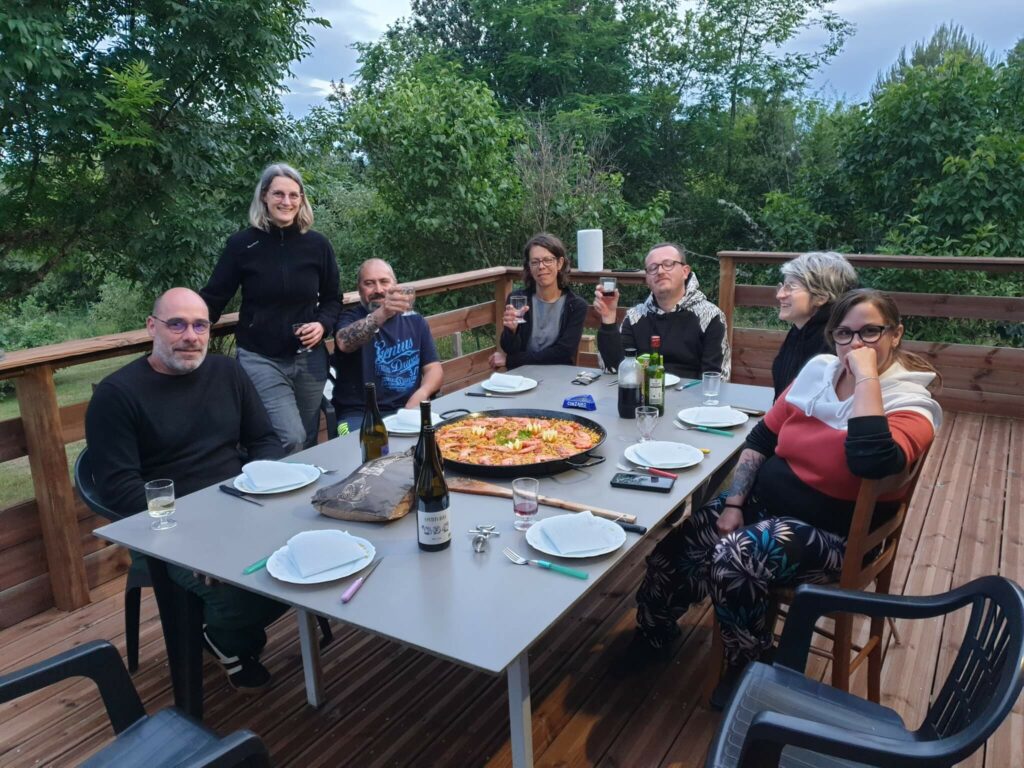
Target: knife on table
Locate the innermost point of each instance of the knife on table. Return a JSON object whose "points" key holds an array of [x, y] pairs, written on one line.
{"points": [[351, 591], [485, 394], [231, 491]]}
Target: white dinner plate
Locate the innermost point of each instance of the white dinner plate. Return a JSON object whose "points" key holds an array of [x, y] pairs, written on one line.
{"points": [[400, 429], [312, 475], [528, 384], [662, 454], [735, 418], [535, 538], [671, 379], [280, 566]]}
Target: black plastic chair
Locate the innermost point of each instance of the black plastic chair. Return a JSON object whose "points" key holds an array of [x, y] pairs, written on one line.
{"points": [[138, 574], [778, 716], [168, 738]]}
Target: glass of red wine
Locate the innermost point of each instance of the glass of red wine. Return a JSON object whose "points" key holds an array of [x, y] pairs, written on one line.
{"points": [[525, 493]]}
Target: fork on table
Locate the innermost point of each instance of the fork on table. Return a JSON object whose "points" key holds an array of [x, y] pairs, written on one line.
{"points": [[520, 560], [710, 430]]}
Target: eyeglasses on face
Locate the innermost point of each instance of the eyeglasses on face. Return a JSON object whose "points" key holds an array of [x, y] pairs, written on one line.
{"points": [[179, 325], [789, 287], [668, 265], [279, 194], [546, 261], [867, 334]]}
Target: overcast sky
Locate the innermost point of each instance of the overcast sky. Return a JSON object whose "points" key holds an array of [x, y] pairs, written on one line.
{"points": [[882, 28]]}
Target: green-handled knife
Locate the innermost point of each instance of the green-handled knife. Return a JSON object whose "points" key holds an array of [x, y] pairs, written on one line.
{"points": [[256, 566]]}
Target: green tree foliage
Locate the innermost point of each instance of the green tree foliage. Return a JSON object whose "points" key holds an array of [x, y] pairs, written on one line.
{"points": [[132, 131]]}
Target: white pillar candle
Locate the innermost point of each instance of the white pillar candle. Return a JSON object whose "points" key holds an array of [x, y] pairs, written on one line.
{"points": [[590, 250]]}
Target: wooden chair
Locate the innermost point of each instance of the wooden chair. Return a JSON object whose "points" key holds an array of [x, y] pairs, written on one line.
{"points": [[869, 560]]}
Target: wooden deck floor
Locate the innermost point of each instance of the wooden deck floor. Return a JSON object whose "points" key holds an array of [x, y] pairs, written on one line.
{"points": [[387, 705]]}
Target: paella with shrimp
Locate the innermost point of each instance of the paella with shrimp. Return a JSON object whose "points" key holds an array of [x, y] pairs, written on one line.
{"points": [[509, 441]]}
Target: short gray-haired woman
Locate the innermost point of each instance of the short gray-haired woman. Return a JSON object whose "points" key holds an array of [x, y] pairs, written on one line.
{"points": [[290, 299], [810, 285]]}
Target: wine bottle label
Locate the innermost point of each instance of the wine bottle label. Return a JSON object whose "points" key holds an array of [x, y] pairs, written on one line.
{"points": [[657, 392], [434, 527]]}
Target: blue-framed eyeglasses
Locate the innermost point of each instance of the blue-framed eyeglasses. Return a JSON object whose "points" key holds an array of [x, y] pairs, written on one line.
{"points": [[179, 325]]}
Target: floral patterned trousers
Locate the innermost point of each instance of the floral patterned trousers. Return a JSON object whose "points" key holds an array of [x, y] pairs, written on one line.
{"points": [[737, 571]]}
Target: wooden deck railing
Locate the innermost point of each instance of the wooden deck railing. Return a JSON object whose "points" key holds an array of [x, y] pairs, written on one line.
{"points": [[48, 555], [983, 379]]}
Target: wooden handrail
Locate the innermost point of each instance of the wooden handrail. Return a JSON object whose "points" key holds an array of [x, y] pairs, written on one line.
{"points": [[881, 261]]}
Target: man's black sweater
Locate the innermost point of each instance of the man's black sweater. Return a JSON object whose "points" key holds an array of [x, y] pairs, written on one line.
{"points": [[142, 425], [286, 277]]}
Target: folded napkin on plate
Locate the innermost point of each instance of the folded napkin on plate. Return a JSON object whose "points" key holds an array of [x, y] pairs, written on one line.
{"points": [[407, 419], [506, 381], [579, 533], [714, 415], [314, 552], [659, 452], [268, 475]]}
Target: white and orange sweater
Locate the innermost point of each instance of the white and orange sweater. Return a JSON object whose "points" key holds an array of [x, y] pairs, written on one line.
{"points": [[817, 454]]}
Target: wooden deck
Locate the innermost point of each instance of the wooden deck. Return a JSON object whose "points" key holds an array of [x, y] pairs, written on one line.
{"points": [[387, 705]]}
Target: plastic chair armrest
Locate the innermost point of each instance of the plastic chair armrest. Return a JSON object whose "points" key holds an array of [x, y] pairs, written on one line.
{"points": [[238, 748], [100, 662]]}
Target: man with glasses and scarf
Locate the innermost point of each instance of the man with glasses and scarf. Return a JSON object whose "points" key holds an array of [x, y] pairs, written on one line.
{"points": [[179, 414], [692, 329]]}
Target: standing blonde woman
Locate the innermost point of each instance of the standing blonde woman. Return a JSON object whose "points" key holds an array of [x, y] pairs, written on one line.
{"points": [[290, 299]]}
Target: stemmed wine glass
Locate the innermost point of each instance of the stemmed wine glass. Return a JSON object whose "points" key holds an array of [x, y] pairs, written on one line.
{"points": [[160, 502], [303, 349], [646, 421], [410, 292], [519, 305]]}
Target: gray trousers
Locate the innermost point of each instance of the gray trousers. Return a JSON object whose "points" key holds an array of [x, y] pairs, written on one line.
{"points": [[290, 389]]}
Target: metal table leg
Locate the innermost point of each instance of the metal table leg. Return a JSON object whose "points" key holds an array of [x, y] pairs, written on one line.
{"points": [[311, 668], [519, 712]]}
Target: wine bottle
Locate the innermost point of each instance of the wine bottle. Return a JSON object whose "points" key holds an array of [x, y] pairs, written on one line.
{"points": [[417, 455], [373, 435], [433, 529], [655, 374]]}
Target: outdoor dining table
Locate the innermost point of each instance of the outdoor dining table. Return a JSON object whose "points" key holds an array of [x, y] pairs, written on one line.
{"points": [[475, 608]]}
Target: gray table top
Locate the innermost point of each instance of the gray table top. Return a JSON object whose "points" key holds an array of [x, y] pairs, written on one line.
{"points": [[474, 608]]}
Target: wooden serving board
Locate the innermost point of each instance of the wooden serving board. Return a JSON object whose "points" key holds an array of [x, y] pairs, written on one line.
{"points": [[480, 488]]}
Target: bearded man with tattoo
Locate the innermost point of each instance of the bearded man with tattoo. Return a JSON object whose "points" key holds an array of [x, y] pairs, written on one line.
{"points": [[383, 341]]}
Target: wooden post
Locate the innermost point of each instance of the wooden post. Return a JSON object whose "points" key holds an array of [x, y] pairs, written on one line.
{"points": [[502, 288], [457, 344], [40, 417], [727, 292]]}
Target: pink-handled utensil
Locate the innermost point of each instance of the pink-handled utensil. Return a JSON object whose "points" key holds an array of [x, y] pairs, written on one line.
{"points": [[351, 591]]}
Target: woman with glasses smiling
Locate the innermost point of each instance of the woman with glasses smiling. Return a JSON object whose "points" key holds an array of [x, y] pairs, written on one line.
{"points": [[290, 299], [547, 330], [810, 285], [864, 412]]}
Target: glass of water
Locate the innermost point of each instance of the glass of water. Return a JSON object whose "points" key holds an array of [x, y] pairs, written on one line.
{"points": [[646, 421], [410, 293], [519, 305], [160, 501], [711, 385]]}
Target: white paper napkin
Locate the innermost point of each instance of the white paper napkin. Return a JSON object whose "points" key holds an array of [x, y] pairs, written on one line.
{"points": [[656, 453], [578, 533], [407, 419], [506, 381], [268, 475], [711, 416], [314, 552]]}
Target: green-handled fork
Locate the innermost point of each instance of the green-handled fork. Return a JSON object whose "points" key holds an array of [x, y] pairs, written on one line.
{"points": [[519, 560]]}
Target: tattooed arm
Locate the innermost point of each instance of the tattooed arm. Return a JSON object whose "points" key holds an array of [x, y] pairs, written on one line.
{"points": [[354, 335], [743, 476]]}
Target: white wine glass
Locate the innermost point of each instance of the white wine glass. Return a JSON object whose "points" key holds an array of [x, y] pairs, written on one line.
{"points": [[160, 502], [646, 421], [519, 305], [410, 293]]}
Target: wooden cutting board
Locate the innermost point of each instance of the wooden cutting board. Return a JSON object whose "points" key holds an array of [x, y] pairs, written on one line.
{"points": [[480, 488]]}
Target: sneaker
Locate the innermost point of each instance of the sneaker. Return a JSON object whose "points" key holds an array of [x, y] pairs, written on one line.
{"points": [[245, 673]]}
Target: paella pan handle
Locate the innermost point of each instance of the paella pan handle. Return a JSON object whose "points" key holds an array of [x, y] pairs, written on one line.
{"points": [[454, 412], [589, 461]]}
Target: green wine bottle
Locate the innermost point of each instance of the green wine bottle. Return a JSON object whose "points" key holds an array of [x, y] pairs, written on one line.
{"points": [[433, 527], [373, 435], [655, 377]]}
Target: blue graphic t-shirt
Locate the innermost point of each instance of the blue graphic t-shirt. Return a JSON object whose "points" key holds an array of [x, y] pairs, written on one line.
{"points": [[393, 359]]}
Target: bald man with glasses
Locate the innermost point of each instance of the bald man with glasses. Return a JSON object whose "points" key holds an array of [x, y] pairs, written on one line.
{"points": [[692, 329], [180, 415]]}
